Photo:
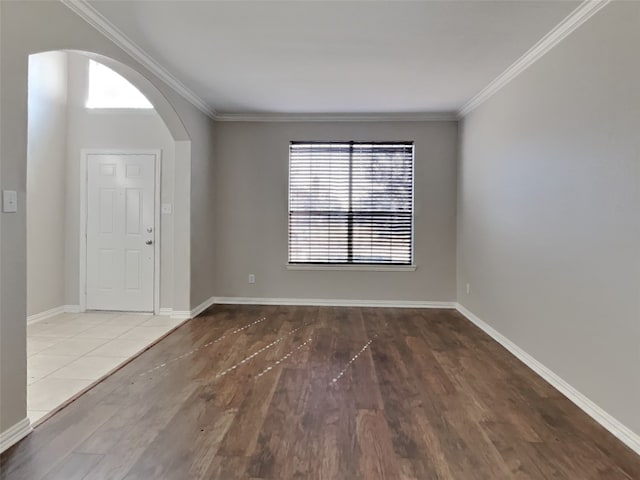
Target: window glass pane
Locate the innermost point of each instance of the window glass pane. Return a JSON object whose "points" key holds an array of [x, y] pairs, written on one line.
{"points": [[108, 89], [350, 202]]}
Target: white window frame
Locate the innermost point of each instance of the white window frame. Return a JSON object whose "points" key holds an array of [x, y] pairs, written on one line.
{"points": [[358, 267]]}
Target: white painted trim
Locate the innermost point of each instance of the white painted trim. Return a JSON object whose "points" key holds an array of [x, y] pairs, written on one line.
{"points": [[82, 248], [14, 434], [186, 314], [38, 317], [567, 26], [580, 15], [175, 314], [337, 117], [617, 428], [322, 302], [301, 302], [157, 219], [354, 268], [94, 18], [202, 307], [84, 153], [73, 309]]}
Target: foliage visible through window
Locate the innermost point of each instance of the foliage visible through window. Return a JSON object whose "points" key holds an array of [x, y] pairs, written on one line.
{"points": [[108, 89], [351, 203]]}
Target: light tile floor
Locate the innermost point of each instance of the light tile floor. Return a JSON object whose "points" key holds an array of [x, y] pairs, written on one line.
{"points": [[68, 352]]}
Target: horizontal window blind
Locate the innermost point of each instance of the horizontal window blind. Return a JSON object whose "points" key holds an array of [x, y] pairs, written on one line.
{"points": [[351, 202]]}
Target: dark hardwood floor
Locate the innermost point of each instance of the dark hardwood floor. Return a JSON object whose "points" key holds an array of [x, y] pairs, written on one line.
{"points": [[427, 396]]}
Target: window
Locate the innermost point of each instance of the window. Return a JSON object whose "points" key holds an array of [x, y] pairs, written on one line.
{"points": [[350, 203], [108, 89]]}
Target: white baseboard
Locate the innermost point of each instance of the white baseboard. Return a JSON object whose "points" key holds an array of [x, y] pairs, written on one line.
{"points": [[202, 307], [14, 434], [312, 302], [73, 309], [186, 314], [175, 314], [322, 302], [617, 428], [38, 317]]}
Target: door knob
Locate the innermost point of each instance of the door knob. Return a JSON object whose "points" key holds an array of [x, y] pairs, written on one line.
{"points": [[149, 242]]}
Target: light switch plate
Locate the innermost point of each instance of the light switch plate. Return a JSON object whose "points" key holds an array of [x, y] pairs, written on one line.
{"points": [[9, 201], [167, 209]]}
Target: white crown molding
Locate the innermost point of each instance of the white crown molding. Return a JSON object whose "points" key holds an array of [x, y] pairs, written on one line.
{"points": [[14, 434], [617, 428], [94, 18], [337, 117], [576, 18], [323, 302], [580, 15]]}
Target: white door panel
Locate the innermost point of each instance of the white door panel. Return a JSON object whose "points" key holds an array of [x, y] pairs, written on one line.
{"points": [[120, 231]]}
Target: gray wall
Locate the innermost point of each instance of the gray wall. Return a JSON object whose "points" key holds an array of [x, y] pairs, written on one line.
{"points": [[33, 27], [549, 211], [548, 224], [46, 158], [250, 207], [203, 221]]}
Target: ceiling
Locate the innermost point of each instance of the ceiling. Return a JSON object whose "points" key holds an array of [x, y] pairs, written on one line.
{"points": [[335, 56]]}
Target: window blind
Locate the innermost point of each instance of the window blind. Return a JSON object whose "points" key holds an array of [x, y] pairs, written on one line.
{"points": [[351, 203]]}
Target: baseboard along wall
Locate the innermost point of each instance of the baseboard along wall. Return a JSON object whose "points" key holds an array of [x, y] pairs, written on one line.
{"points": [[613, 425]]}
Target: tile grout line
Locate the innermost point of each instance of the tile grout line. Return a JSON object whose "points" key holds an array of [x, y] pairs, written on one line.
{"points": [[76, 357], [78, 335]]}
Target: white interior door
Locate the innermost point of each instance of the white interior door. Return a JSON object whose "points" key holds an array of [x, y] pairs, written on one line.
{"points": [[120, 232]]}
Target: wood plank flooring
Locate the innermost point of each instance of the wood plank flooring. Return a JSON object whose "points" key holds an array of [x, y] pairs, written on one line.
{"points": [[424, 394]]}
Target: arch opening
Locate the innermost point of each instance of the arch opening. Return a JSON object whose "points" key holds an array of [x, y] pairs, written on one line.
{"points": [[65, 137]]}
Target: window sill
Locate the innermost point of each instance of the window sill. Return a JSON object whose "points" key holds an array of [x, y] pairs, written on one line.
{"points": [[355, 268]]}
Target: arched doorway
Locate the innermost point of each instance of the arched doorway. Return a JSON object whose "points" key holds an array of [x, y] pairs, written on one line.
{"points": [[92, 135], [33, 27]]}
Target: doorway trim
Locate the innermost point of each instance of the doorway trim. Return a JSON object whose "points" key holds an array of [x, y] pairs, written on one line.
{"points": [[84, 154]]}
